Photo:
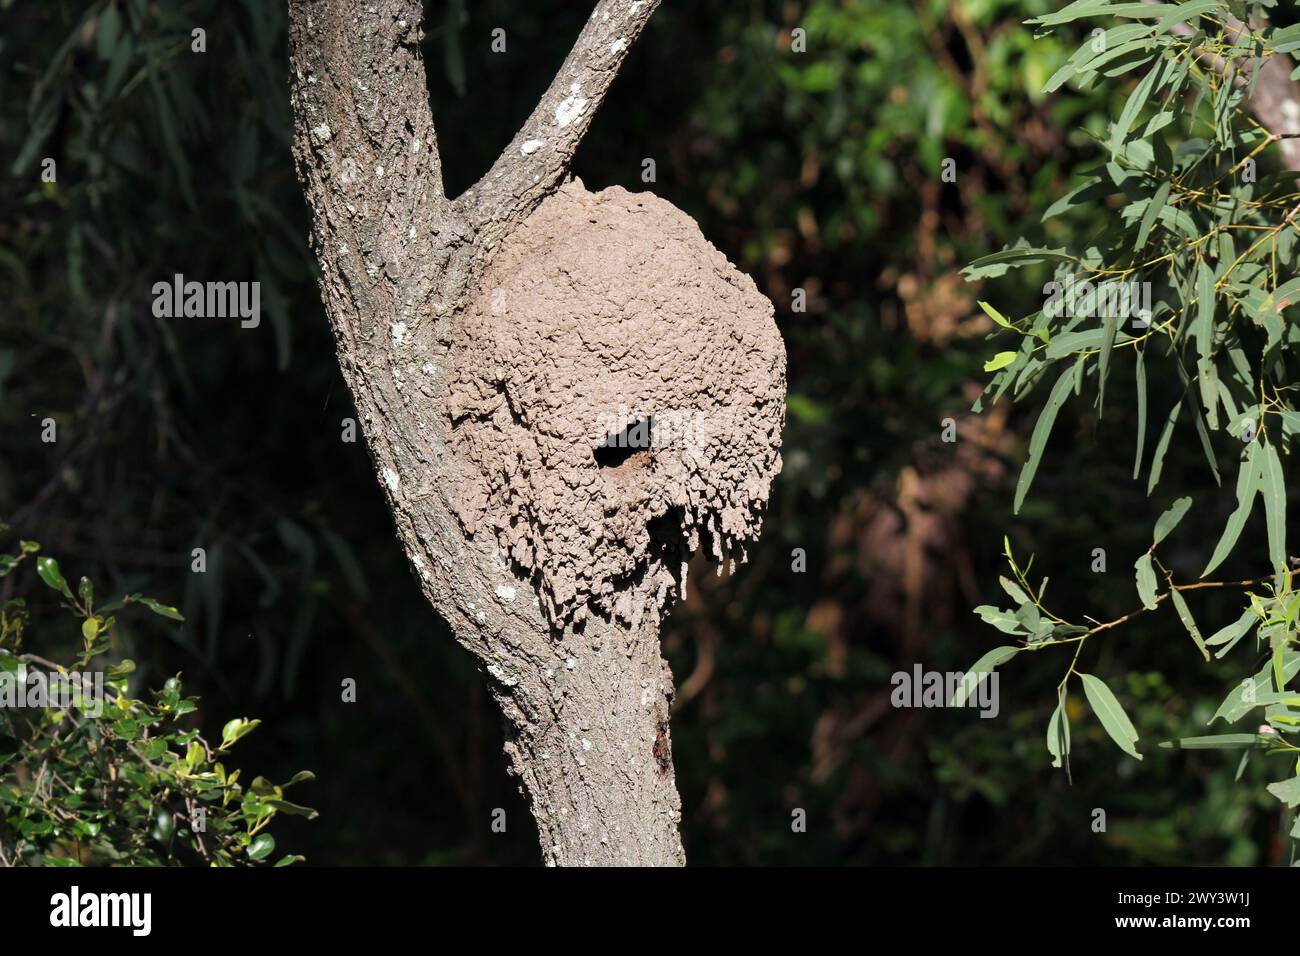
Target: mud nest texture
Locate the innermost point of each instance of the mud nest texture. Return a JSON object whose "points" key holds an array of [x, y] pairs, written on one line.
{"points": [[617, 396]]}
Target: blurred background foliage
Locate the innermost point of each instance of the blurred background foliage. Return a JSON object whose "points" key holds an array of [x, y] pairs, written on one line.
{"points": [[817, 171]]}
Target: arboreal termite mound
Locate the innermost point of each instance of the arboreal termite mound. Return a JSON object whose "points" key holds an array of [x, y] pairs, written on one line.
{"points": [[617, 391]]}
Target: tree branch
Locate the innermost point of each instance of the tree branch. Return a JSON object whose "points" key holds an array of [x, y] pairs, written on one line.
{"points": [[365, 146], [538, 157], [1276, 98]]}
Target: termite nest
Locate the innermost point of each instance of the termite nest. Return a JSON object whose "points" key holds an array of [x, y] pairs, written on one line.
{"points": [[617, 395]]}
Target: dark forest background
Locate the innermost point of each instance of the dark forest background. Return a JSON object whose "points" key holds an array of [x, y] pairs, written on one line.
{"points": [[818, 171]]}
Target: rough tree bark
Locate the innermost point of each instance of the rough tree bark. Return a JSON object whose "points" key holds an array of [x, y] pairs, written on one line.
{"points": [[587, 715]]}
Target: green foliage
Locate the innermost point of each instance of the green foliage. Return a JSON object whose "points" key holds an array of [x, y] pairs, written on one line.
{"points": [[1182, 200], [90, 775]]}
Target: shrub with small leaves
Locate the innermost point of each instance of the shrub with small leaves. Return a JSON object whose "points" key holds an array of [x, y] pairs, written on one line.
{"points": [[90, 775]]}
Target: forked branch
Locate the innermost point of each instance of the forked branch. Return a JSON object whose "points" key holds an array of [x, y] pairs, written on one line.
{"points": [[538, 157]]}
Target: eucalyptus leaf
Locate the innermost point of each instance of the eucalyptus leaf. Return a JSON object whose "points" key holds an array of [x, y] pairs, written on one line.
{"points": [[1288, 791], [1058, 733], [981, 669], [1273, 489], [1111, 714], [1042, 430], [1216, 742], [1247, 485], [1169, 520], [1185, 615], [1146, 581]]}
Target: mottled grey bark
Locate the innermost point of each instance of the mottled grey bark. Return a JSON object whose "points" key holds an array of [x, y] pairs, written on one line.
{"points": [[587, 715]]}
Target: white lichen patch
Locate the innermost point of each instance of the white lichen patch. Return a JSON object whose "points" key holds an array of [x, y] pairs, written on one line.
{"points": [[391, 479], [618, 46], [532, 146], [506, 592], [399, 333], [321, 133], [570, 108], [500, 674]]}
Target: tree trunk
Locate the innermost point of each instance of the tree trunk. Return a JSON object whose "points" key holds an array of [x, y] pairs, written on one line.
{"points": [[586, 713]]}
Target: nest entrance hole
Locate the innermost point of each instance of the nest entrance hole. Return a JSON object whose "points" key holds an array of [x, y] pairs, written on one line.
{"points": [[628, 449]]}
